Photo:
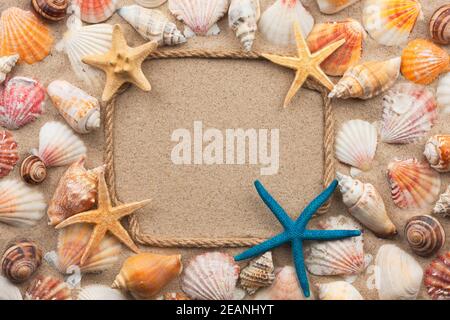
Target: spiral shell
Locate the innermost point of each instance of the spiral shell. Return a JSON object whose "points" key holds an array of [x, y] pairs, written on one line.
{"points": [[243, 16], [6, 65], [48, 288], [258, 273], [437, 277], [8, 153], [33, 170], [437, 152], [425, 235], [439, 25], [54, 10], [442, 206], [20, 260]]}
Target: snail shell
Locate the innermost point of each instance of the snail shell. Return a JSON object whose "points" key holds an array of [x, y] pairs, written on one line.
{"points": [[425, 235], [21, 260], [54, 10], [33, 170], [439, 25]]}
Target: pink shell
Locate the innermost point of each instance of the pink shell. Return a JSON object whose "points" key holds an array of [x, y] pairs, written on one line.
{"points": [[437, 277], [95, 11], [8, 153]]}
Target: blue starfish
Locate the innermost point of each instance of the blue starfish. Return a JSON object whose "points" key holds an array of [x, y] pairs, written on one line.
{"points": [[295, 232]]}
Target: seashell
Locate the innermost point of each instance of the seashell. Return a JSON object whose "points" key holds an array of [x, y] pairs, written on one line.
{"points": [[145, 274], [439, 27], [54, 10], [9, 291], [72, 242], [33, 170], [423, 61], [80, 110], [20, 205], [80, 41], [367, 80], [442, 206], [277, 21], [22, 33], [389, 22], [413, 184], [337, 257], [338, 290], [366, 205], [6, 65], [8, 153], [437, 277], [443, 93], [150, 3], [243, 16], [211, 276], [199, 16], [152, 25], [437, 152], [425, 235], [356, 143], [20, 260], [346, 56], [22, 101], [94, 11], [100, 292], [398, 275], [333, 6], [409, 113], [173, 296], [258, 273], [48, 288]]}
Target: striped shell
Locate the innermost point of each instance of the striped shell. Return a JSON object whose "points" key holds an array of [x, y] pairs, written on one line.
{"points": [[442, 206], [259, 273], [20, 260], [8, 153], [425, 235], [6, 65], [100, 292], [437, 277], [338, 290], [54, 10], [94, 11], [443, 93], [33, 170], [243, 16], [439, 25], [48, 288], [437, 152], [333, 6]]}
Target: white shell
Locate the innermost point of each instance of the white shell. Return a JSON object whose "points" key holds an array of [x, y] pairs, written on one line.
{"points": [[243, 17], [9, 291], [100, 292], [333, 6], [150, 3], [338, 290], [6, 65], [20, 205], [200, 16], [442, 206], [277, 22], [443, 93]]}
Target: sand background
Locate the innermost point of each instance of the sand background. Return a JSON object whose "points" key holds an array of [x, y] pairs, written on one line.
{"points": [[214, 201]]}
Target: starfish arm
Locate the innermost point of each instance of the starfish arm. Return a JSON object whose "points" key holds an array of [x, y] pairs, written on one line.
{"points": [[119, 231], [320, 76], [144, 50], [84, 217], [297, 254], [288, 62], [302, 46], [139, 80], [300, 78], [96, 237], [329, 234], [111, 86], [273, 205], [129, 208], [118, 39], [267, 245], [324, 53], [97, 61], [104, 200]]}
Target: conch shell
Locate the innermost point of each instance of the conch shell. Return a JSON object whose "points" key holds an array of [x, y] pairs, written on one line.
{"points": [[425, 235], [259, 273], [6, 65], [437, 152], [442, 206], [243, 16]]}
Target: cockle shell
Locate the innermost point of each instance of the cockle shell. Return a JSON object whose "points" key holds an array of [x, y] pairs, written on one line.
{"points": [[72, 242], [442, 206], [20, 260], [243, 16], [258, 273], [48, 288], [423, 61], [80, 110], [8, 153], [210, 276], [409, 113], [346, 56], [100, 292], [54, 10], [338, 290], [150, 3], [366, 205], [152, 25], [145, 274], [199, 16], [397, 274], [21, 32], [19, 204], [437, 152], [425, 235], [439, 25], [22, 101], [390, 22], [413, 184], [6, 65], [94, 11], [9, 291], [333, 6], [437, 277], [276, 23], [443, 93]]}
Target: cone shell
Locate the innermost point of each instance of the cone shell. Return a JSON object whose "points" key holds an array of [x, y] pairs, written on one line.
{"points": [[442, 206], [259, 273], [9, 291], [173, 296], [346, 56], [437, 152], [72, 242], [366, 205], [409, 113], [437, 277], [152, 25], [443, 93], [338, 290], [367, 80], [48, 288], [8, 153], [243, 16], [20, 260], [425, 235], [423, 61], [80, 110], [94, 11], [22, 101], [6, 65], [21, 32], [413, 184], [54, 10], [99, 292], [439, 25], [150, 3], [333, 6]]}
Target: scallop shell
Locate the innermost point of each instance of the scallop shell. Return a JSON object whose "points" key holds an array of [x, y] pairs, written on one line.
{"points": [[20, 260], [409, 113], [94, 11], [145, 274], [333, 6], [346, 56], [423, 61], [19, 204], [80, 110], [54, 10], [439, 25], [437, 152], [72, 242], [413, 184], [8, 153], [100, 292], [9, 291], [6, 65], [397, 274], [425, 235], [243, 16], [48, 288], [443, 93], [356, 144], [150, 3], [442, 206], [338, 290], [276, 23], [152, 25], [21, 32], [258, 273], [437, 277], [199, 16], [22, 101], [210, 276], [390, 22]]}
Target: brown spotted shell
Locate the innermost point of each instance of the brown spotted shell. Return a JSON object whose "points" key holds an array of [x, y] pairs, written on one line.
{"points": [[20, 260], [259, 273], [33, 170], [425, 235], [437, 277], [54, 10], [439, 25], [48, 288]]}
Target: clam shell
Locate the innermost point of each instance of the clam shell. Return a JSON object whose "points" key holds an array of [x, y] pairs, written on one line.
{"points": [[243, 16], [437, 277], [48, 288], [443, 93], [425, 235], [367, 80], [413, 184], [94, 11], [442, 206], [33, 170], [54, 10], [409, 113], [338, 290], [100, 292], [8, 153], [20, 260], [150, 3], [9, 291], [439, 25], [259, 273], [437, 152], [333, 6], [6, 65]]}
